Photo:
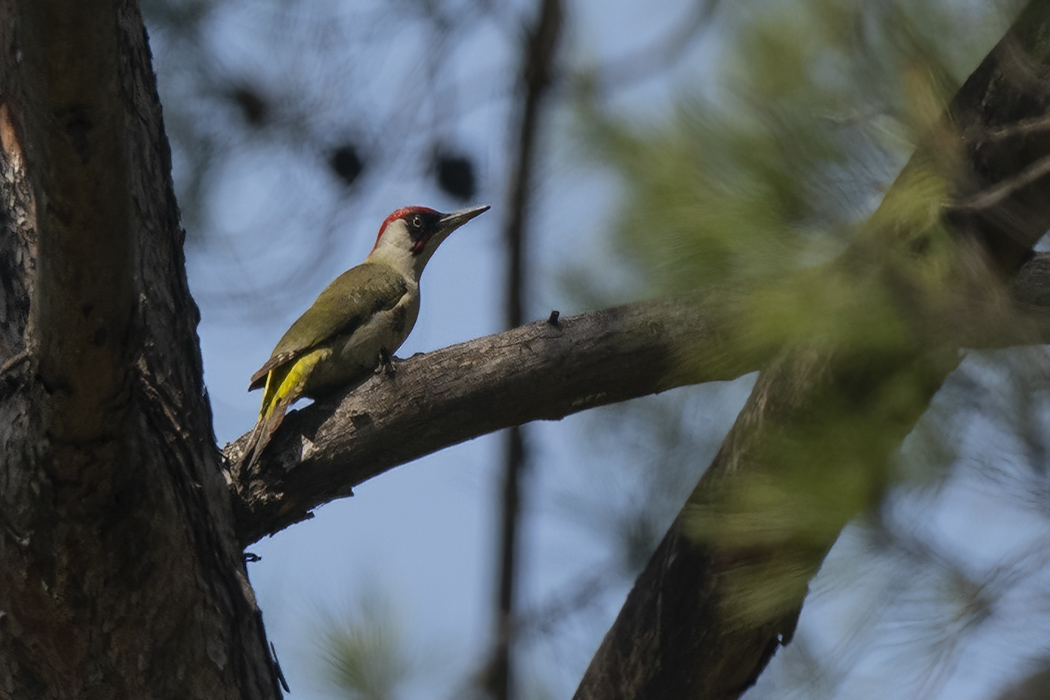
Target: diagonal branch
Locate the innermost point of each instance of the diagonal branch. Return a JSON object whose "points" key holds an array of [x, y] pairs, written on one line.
{"points": [[539, 371]]}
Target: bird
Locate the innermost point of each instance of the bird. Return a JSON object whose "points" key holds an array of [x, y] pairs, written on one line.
{"points": [[357, 323]]}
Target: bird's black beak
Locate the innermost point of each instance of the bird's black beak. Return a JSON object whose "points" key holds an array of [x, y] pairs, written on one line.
{"points": [[445, 225], [450, 222]]}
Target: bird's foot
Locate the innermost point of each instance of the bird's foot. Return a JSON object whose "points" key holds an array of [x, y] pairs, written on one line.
{"points": [[386, 363]]}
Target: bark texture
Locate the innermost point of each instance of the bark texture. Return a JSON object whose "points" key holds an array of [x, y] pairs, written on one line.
{"points": [[120, 575]]}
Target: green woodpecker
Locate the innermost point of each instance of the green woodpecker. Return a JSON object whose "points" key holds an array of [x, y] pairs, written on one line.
{"points": [[357, 322]]}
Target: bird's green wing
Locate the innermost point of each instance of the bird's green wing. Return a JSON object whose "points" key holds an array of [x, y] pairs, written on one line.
{"points": [[345, 304]]}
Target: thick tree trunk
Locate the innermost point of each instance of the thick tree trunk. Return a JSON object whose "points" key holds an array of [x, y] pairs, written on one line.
{"points": [[120, 575]]}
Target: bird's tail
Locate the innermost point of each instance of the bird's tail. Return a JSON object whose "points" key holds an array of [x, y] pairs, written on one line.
{"points": [[263, 431], [283, 386]]}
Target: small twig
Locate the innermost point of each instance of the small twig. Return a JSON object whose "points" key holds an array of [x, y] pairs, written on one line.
{"points": [[277, 668], [994, 196], [1026, 127]]}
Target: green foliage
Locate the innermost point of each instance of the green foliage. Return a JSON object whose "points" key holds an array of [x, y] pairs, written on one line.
{"points": [[776, 185], [365, 655], [820, 102]]}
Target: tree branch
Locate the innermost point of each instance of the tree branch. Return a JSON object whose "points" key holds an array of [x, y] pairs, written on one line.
{"points": [[535, 372], [724, 588], [546, 372]]}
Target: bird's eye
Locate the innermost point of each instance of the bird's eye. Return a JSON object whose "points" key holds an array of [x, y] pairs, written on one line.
{"points": [[417, 221]]}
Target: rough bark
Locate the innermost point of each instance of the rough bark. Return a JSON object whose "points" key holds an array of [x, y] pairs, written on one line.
{"points": [[120, 575]]}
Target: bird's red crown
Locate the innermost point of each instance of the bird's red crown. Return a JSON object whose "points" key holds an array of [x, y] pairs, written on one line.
{"points": [[400, 214]]}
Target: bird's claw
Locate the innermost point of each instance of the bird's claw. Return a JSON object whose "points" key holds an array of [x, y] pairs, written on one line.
{"points": [[386, 363]]}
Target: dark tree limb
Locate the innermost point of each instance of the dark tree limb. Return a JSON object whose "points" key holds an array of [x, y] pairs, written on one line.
{"points": [[537, 372], [725, 586]]}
